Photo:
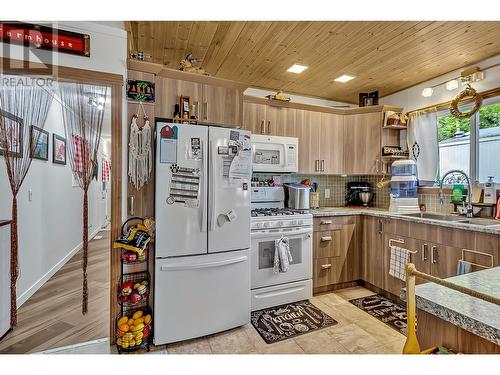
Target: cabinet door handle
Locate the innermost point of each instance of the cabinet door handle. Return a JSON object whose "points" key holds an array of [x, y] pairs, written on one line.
{"points": [[424, 252], [326, 266], [131, 210], [322, 165], [434, 254], [205, 110], [377, 165], [316, 165], [380, 226], [269, 127], [197, 106], [262, 127], [326, 238], [325, 222]]}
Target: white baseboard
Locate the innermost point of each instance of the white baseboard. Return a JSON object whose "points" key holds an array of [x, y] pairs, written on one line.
{"points": [[37, 285]]}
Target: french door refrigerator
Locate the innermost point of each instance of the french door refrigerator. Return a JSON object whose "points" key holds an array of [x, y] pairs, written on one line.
{"points": [[202, 212]]}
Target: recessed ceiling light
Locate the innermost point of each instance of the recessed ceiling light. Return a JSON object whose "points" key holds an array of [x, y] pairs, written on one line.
{"points": [[452, 85], [296, 68], [427, 92], [344, 78]]}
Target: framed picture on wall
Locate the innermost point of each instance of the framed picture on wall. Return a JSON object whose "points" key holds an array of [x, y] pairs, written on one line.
{"points": [[13, 126], [58, 149], [39, 143]]}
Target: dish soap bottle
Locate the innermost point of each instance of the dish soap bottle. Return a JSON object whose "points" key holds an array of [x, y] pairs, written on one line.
{"points": [[490, 191]]}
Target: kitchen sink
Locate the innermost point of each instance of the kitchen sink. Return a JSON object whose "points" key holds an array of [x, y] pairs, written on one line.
{"points": [[442, 217], [456, 219]]}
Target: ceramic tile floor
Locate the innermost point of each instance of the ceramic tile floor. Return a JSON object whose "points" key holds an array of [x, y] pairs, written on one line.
{"points": [[356, 333]]}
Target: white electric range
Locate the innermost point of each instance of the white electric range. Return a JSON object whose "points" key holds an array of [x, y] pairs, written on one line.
{"points": [[269, 222]]}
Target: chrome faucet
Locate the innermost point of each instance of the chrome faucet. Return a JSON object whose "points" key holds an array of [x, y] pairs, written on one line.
{"points": [[469, 210]]}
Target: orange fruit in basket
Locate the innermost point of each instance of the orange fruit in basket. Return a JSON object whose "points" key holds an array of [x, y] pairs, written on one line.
{"points": [[138, 314], [119, 333], [122, 320], [130, 322], [147, 319], [124, 327], [138, 327], [138, 321]]}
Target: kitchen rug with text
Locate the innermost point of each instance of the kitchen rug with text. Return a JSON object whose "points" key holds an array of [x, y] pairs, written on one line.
{"points": [[293, 319], [384, 309]]}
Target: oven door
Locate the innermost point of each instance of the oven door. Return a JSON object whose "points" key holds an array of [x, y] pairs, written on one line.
{"points": [[262, 256]]}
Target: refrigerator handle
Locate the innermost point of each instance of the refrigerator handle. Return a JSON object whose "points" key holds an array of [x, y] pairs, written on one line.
{"points": [[213, 153], [203, 187]]}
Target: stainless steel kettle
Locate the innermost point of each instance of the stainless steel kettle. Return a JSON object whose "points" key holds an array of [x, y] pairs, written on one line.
{"points": [[297, 196]]}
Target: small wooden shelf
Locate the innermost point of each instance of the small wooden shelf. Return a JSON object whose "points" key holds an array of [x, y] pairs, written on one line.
{"points": [[395, 127], [394, 157]]}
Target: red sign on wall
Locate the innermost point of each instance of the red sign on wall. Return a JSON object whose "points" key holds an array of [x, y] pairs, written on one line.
{"points": [[43, 37]]}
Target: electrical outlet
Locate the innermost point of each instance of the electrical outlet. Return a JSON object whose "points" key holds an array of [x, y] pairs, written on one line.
{"points": [[30, 195], [327, 193]]}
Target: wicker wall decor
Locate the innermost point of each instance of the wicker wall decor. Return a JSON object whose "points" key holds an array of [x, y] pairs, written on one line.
{"points": [[470, 94]]}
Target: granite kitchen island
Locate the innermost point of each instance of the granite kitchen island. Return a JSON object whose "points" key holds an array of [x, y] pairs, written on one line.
{"points": [[458, 321]]}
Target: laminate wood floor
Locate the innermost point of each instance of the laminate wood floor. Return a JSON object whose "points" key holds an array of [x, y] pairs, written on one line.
{"points": [[52, 317]]}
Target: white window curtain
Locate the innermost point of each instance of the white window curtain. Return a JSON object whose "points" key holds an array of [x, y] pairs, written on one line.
{"points": [[423, 145]]}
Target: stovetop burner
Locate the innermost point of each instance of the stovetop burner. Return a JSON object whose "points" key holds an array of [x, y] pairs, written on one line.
{"points": [[258, 212]]}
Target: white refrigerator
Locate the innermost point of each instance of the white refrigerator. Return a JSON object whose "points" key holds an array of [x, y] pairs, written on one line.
{"points": [[202, 212]]}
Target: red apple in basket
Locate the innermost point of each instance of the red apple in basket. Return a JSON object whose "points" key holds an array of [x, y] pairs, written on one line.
{"points": [[135, 297]]}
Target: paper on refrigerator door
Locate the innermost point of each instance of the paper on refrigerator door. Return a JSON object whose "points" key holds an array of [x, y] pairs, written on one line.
{"points": [[241, 165], [184, 186], [168, 144]]}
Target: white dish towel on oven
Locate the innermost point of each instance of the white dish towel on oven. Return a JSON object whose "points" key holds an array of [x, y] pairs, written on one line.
{"points": [[399, 258], [282, 255]]}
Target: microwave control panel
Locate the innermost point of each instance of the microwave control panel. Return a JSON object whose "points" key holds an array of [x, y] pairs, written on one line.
{"points": [[291, 153]]}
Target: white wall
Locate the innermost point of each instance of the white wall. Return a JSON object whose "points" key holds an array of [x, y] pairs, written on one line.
{"points": [[411, 98], [50, 227]]}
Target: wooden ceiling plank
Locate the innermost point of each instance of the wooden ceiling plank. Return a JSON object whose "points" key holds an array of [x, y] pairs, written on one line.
{"points": [[365, 67], [169, 45], [266, 62], [249, 37], [200, 37], [388, 56], [183, 33], [269, 47], [223, 41]]}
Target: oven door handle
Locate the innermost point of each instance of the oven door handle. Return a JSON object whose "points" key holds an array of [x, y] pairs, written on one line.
{"points": [[288, 234]]}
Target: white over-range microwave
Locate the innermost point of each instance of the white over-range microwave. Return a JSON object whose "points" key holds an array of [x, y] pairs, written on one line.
{"points": [[275, 154]]}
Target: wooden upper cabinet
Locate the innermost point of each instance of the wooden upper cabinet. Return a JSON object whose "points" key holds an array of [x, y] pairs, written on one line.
{"points": [[254, 117], [331, 144], [308, 125], [221, 105], [211, 104], [362, 143], [168, 92], [280, 121], [269, 120]]}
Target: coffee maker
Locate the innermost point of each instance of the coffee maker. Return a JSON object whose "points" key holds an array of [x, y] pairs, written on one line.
{"points": [[358, 193]]}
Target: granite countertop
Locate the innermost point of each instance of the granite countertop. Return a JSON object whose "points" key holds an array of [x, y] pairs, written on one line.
{"points": [[472, 314], [377, 212]]}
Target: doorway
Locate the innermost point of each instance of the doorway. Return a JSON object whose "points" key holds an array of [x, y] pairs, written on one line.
{"points": [[49, 314]]}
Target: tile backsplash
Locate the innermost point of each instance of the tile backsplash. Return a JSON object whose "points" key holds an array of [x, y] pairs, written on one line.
{"points": [[337, 186]]}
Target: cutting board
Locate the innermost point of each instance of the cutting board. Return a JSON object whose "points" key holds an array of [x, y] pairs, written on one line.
{"points": [[477, 191]]}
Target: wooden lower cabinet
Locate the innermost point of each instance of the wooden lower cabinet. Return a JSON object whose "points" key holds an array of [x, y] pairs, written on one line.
{"points": [[327, 271], [336, 254], [350, 248], [372, 254]]}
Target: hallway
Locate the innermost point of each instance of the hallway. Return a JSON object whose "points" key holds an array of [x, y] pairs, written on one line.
{"points": [[52, 317]]}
